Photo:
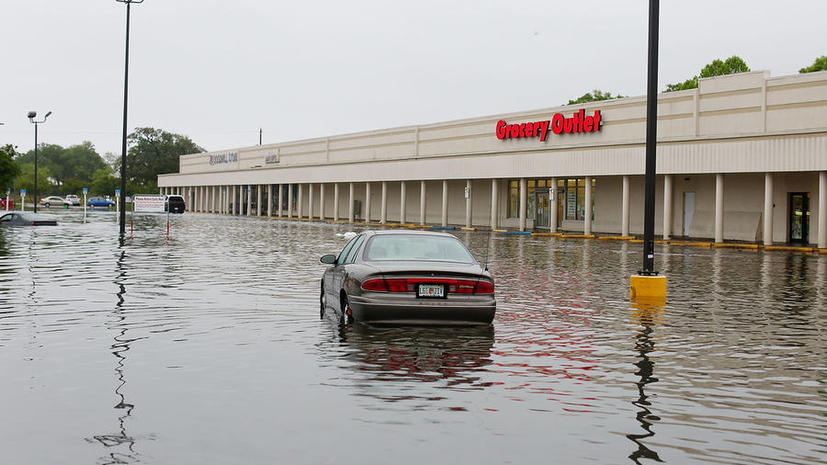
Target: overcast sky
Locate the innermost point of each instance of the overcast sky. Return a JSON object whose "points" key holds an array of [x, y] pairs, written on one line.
{"points": [[218, 70]]}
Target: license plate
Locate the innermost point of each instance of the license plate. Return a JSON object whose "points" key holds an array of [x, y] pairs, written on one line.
{"points": [[431, 290]]}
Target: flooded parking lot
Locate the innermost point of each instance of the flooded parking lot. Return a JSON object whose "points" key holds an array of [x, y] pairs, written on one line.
{"points": [[208, 348]]}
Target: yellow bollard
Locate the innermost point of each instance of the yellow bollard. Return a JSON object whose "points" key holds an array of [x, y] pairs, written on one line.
{"points": [[648, 289]]}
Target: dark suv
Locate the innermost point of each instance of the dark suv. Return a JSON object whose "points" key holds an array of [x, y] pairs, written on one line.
{"points": [[175, 204]]}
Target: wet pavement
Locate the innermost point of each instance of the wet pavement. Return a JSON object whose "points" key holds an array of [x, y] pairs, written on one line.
{"points": [[208, 348]]}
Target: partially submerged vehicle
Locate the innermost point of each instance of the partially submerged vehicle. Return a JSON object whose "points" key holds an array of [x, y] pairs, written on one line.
{"points": [[27, 219], [408, 277]]}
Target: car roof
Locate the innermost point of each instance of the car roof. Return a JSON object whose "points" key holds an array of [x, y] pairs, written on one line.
{"points": [[36, 216], [408, 232]]}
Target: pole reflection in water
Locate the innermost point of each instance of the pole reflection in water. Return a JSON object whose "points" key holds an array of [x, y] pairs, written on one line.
{"points": [[120, 439], [647, 316]]}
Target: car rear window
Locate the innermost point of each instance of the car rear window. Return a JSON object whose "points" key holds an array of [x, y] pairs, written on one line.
{"points": [[417, 247]]}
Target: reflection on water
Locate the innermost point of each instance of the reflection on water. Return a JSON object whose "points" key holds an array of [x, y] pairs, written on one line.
{"points": [[647, 316], [217, 332], [452, 357], [117, 441]]}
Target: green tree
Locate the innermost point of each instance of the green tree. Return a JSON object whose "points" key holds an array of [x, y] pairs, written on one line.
{"points": [[594, 96], [77, 161], [8, 168], [25, 180], [820, 64], [731, 65], [153, 152], [104, 182]]}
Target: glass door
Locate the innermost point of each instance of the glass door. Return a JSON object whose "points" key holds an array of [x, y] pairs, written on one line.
{"points": [[542, 213], [800, 217]]}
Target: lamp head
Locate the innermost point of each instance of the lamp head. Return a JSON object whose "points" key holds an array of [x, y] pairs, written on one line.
{"points": [[47, 115], [32, 114]]}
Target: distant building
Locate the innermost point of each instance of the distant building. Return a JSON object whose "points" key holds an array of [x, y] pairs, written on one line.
{"points": [[742, 157]]}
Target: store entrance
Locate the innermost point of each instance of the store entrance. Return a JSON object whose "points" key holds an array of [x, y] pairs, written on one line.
{"points": [[799, 217], [541, 214]]}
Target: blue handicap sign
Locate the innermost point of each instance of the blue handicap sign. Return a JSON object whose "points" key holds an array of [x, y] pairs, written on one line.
{"points": [[22, 191], [117, 192], [85, 191]]}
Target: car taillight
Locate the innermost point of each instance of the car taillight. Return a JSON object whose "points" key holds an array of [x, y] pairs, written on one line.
{"points": [[485, 287], [454, 286], [375, 285]]}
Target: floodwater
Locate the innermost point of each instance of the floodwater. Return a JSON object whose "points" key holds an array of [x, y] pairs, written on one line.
{"points": [[208, 349]]}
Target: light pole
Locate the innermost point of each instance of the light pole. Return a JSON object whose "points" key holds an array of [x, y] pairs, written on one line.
{"points": [[647, 284], [32, 115], [122, 213]]}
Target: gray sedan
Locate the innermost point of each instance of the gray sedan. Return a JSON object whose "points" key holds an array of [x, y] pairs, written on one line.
{"points": [[408, 277], [26, 219]]}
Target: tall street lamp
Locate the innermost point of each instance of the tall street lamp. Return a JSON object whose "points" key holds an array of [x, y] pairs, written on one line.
{"points": [[122, 218], [32, 115], [647, 284]]}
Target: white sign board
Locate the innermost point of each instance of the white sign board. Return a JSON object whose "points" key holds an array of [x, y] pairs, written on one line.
{"points": [[148, 203]]}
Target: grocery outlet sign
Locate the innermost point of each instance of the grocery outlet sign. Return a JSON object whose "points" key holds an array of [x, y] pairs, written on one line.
{"points": [[579, 122]]}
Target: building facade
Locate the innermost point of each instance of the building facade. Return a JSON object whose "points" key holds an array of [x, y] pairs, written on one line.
{"points": [[742, 157]]}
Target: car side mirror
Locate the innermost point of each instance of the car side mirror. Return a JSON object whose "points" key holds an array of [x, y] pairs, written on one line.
{"points": [[328, 259]]}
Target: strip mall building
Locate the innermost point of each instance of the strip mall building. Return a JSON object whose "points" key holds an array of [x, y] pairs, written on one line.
{"points": [[741, 158]]}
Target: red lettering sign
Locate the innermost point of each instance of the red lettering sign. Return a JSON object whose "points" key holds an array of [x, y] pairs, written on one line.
{"points": [[559, 124]]}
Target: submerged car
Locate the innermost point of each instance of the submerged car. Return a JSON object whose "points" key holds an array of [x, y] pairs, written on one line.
{"points": [[26, 219], [99, 202], [408, 277], [53, 200], [72, 199]]}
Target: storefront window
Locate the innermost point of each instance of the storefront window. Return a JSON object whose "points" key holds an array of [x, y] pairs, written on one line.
{"points": [[576, 199]]}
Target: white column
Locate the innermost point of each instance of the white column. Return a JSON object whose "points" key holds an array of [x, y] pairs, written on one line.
{"points": [[768, 195], [321, 201], [624, 214], [383, 209], [444, 202], [310, 201], [552, 208], [336, 201], [422, 210], [299, 205], [468, 203], [290, 201], [523, 197], [587, 212], [493, 204], [667, 206], [269, 200], [350, 203], [403, 200], [234, 202], [258, 200], [719, 208], [822, 210], [249, 191], [281, 200], [367, 202]]}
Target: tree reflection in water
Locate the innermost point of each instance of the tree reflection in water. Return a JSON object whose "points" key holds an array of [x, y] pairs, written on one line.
{"points": [[648, 316]]}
